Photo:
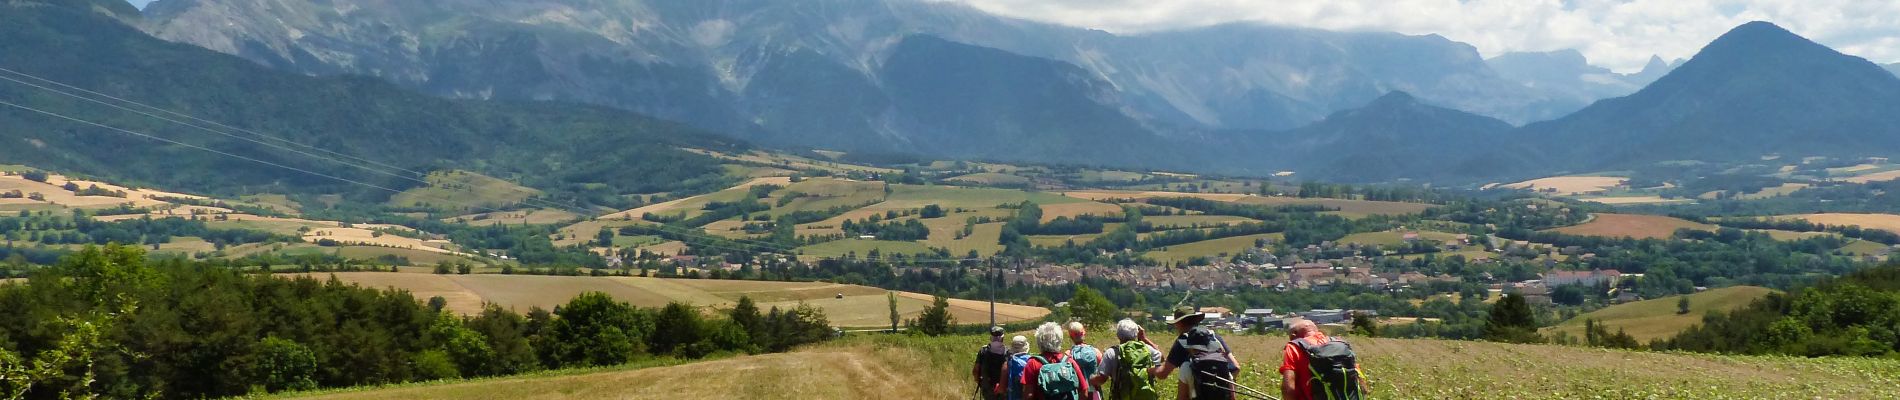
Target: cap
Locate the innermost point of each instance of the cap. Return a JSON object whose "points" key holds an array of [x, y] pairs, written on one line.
{"points": [[996, 330]]}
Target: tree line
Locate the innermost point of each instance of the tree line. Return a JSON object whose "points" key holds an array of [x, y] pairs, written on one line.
{"points": [[110, 323]]}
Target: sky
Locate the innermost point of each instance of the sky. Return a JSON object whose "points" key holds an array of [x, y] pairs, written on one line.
{"points": [[1617, 34]]}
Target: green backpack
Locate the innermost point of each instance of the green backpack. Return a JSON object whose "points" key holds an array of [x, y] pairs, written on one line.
{"points": [[1132, 381], [1060, 379]]}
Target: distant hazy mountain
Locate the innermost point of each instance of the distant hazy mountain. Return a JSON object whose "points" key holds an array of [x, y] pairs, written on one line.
{"points": [[1397, 137], [815, 72], [86, 44], [1894, 67], [1756, 90], [1570, 79]]}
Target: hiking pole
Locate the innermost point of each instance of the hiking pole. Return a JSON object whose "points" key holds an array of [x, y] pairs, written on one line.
{"points": [[1250, 392]]}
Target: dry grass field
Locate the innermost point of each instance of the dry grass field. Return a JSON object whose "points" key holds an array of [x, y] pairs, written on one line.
{"points": [[1873, 177], [1631, 225], [1570, 185], [861, 306], [1886, 222], [1209, 248], [539, 216], [1627, 200]]}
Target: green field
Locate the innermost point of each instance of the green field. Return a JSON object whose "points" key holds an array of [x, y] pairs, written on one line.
{"points": [[1863, 247], [914, 367], [463, 190], [1395, 238], [1657, 319], [966, 197], [860, 247], [1183, 221], [991, 178], [1209, 248]]}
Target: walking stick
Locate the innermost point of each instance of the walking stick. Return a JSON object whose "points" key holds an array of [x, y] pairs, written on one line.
{"points": [[1249, 392]]}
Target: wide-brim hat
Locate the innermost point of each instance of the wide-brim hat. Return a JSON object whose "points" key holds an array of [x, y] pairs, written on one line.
{"points": [[1188, 315]]}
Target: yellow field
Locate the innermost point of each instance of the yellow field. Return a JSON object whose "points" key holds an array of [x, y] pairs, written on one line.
{"points": [[1873, 177], [1657, 319], [1621, 200], [1631, 225], [1072, 210], [861, 306], [1886, 222], [56, 195], [584, 231], [360, 236], [1570, 185]]}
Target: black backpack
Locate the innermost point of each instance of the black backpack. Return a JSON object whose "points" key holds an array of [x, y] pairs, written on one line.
{"points": [[990, 361], [1335, 369]]}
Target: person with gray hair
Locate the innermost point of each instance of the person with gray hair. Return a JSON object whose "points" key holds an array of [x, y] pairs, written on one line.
{"points": [[1058, 384], [1123, 372]]}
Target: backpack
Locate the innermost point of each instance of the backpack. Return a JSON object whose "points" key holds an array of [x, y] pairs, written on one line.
{"points": [[1131, 378], [1059, 379], [1335, 369], [1087, 357], [990, 361], [1017, 363]]}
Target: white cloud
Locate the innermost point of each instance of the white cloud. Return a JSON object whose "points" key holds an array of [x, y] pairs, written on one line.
{"points": [[1619, 34]]}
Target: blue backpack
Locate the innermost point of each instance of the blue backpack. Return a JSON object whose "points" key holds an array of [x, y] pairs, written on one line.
{"points": [[1087, 357], [1017, 363]]}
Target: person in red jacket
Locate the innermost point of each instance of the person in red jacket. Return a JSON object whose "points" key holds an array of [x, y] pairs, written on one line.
{"points": [[1049, 344]]}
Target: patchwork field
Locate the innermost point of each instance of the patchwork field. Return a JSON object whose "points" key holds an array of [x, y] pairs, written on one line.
{"points": [[1631, 225], [861, 306], [1348, 208], [1657, 319], [1570, 185]]}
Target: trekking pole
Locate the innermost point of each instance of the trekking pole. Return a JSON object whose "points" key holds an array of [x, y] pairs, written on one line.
{"points": [[1249, 392]]}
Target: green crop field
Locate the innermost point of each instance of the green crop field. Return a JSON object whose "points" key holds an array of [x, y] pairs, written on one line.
{"points": [[1209, 248], [861, 247], [1657, 319], [459, 190], [1863, 247], [1182, 221], [901, 366]]}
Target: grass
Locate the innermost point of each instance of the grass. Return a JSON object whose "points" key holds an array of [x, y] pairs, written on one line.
{"points": [[1395, 238], [1886, 222], [903, 366], [991, 178], [1863, 247], [1657, 319], [966, 197], [982, 239], [861, 247], [1631, 225], [1209, 248], [461, 190], [1183, 221]]}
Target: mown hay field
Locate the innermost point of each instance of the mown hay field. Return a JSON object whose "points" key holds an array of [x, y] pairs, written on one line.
{"points": [[1886, 222]]}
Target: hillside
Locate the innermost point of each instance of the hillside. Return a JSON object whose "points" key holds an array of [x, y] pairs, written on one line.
{"points": [[1756, 90], [393, 135], [1657, 318], [845, 305], [1399, 137], [908, 367]]}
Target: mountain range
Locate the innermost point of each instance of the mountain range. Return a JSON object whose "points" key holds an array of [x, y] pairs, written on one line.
{"points": [[817, 73], [794, 76]]}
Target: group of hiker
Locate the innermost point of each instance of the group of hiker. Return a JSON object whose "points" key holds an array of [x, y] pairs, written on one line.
{"points": [[1313, 365]]}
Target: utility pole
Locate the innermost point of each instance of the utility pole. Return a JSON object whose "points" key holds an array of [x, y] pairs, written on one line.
{"points": [[992, 278]]}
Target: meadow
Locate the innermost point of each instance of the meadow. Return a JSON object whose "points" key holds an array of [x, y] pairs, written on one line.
{"points": [[900, 366], [1657, 318]]}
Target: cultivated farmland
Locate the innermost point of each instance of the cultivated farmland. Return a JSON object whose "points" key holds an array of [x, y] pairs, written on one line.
{"points": [[1657, 318], [1631, 225], [861, 306]]}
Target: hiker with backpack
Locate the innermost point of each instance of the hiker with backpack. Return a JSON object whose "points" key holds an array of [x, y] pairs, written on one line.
{"points": [[1123, 372], [1314, 366], [988, 369], [1011, 387], [1086, 356], [1053, 374], [1208, 365]]}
